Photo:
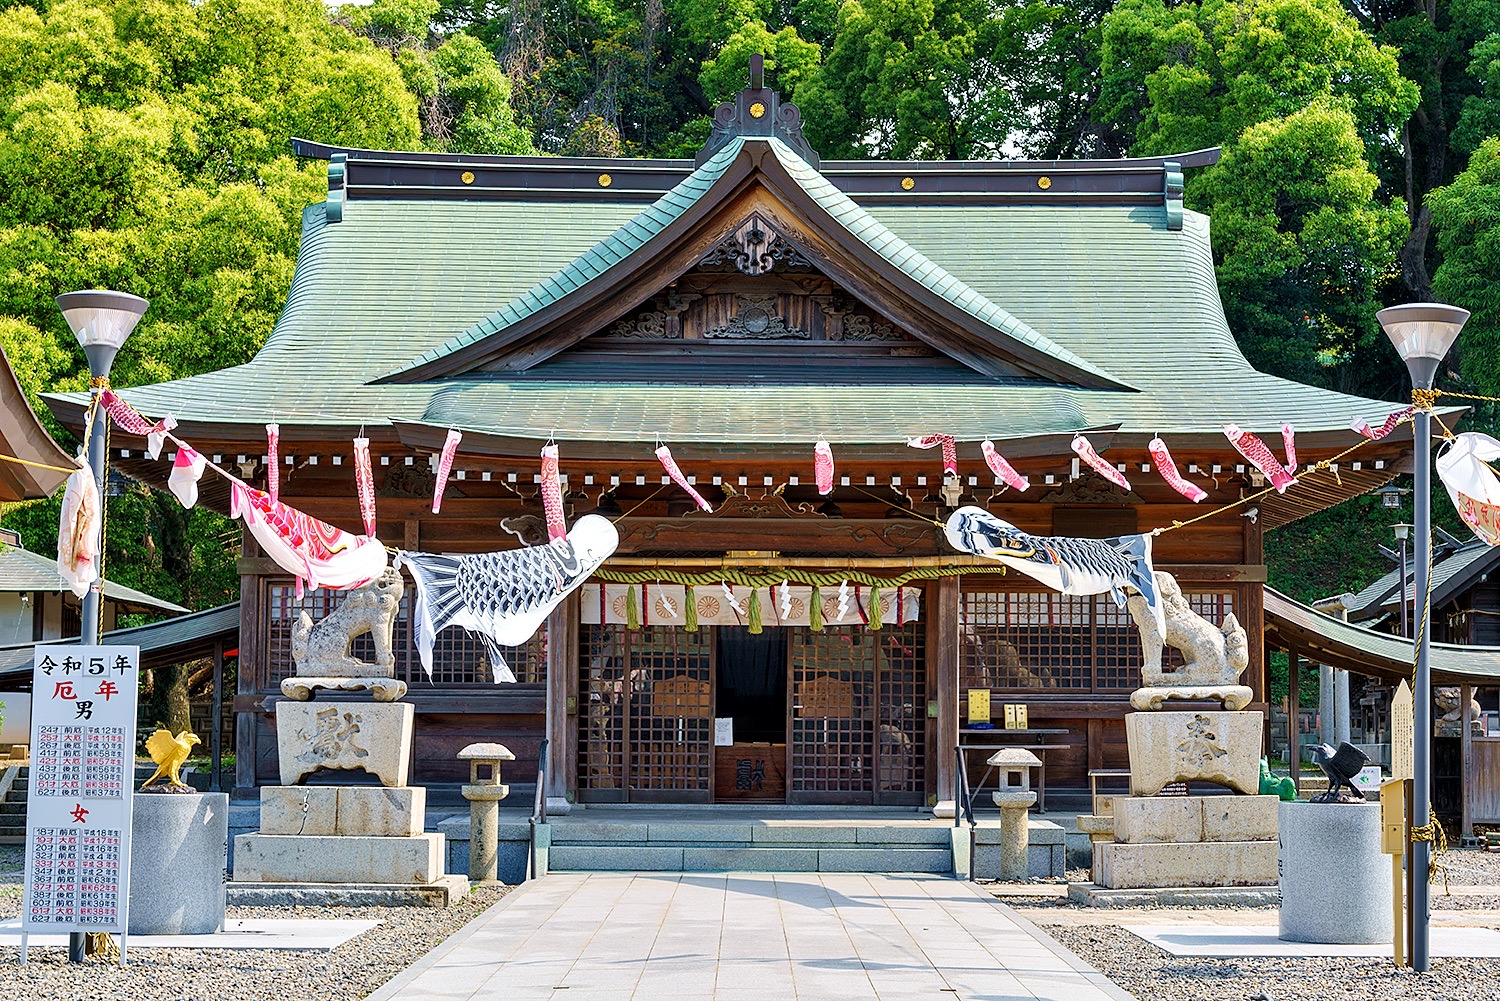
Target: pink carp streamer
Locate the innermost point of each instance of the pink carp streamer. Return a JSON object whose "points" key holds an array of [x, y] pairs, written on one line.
{"points": [[364, 484], [1363, 426], [129, 420], [1255, 450], [445, 467], [1001, 468], [1087, 454], [823, 467], [1289, 442], [273, 462], [1168, 470], [670, 465], [950, 449], [552, 502]]}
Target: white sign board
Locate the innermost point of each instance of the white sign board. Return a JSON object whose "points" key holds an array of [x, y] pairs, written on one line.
{"points": [[1368, 780], [78, 806], [723, 731], [1403, 729]]}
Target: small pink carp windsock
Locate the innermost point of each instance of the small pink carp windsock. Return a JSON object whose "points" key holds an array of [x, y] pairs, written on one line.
{"points": [[1168, 470], [949, 445], [273, 462], [445, 467], [1001, 468], [552, 495], [1255, 450], [364, 484], [1375, 434], [823, 467], [670, 465], [1289, 442], [1087, 454]]}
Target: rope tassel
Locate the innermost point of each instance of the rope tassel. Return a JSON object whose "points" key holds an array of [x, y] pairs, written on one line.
{"points": [[757, 626], [815, 610]]}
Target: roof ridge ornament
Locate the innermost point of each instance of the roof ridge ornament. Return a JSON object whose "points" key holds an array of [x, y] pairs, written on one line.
{"points": [[757, 111]]}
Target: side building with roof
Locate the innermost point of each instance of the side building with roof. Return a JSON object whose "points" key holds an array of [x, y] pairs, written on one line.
{"points": [[740, 308]]}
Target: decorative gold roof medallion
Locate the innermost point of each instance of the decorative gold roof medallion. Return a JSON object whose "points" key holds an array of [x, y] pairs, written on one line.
{"points": [[467, 177], [1044, 182], [757, 110], [907, 184], [605, 180]]}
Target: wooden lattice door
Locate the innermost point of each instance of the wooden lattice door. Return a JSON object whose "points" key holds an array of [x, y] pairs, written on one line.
{"points": [[859, 720], [646, 722]]}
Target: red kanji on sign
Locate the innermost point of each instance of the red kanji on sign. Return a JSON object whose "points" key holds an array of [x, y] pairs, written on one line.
{"points": [[106, 689], [63, 690], [79, 813]]}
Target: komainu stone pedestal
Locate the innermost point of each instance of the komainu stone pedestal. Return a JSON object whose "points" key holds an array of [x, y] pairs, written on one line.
{"points": [[1210, 746], [1190, 841], [336, 842], [1335, 884], [373, 736]]}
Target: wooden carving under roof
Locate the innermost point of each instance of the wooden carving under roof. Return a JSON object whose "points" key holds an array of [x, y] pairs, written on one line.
{"points": [[755, 285]]}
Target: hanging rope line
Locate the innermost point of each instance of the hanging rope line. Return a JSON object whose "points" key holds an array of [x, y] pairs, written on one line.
{"points": [[37, 465], [796, 575]]}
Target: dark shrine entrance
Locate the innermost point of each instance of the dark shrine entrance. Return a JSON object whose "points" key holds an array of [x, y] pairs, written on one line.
{"points": [[750, 725], [720, 714]]}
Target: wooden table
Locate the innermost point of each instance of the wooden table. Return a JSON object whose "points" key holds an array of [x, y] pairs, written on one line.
{"points": [[1034, 740]]}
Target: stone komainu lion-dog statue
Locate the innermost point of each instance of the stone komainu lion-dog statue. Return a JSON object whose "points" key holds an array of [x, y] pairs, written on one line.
{"points": [[323, 649], [1215, 656]]}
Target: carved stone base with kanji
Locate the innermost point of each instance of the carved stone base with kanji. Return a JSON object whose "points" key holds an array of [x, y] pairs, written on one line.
{"points": [[374, 736], [1222, 748]]}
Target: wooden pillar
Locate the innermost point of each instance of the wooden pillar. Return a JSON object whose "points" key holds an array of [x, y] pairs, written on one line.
{"points": [[1253, 613], [252, 668], [942, 668], [1467, 784], [216, 724], [1293, 715], [562, 704]]}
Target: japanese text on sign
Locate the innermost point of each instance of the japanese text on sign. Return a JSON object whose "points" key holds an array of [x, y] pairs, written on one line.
{"points": [[78, 808]]}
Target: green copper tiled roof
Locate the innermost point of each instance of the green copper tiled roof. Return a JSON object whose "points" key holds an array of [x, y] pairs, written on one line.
{"points": [[594, 263], [1110, 286]]}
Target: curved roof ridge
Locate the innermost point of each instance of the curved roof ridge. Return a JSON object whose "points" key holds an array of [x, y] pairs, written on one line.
{"points": [[921, 268]]}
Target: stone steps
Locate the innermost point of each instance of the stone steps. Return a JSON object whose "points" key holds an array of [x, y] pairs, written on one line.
{"points": [[583, 846]]}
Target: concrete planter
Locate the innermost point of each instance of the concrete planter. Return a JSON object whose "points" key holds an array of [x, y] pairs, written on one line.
{"points": [[179, 845], [1335, 884]]}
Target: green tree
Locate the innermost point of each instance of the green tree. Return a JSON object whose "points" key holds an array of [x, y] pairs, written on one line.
{"points": [[1467, 215], [1303, 102]]}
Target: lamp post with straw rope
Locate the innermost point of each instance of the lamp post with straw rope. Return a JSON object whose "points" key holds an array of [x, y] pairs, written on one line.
{"points": [[101, 320], [1422, 334]]}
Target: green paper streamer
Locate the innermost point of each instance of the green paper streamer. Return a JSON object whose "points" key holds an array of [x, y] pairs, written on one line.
{"points": [[756, 626], [874, 609], [632, 613], [815, 610]]}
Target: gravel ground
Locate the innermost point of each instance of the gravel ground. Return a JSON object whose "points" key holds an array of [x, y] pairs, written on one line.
{"points": [[347, 973], [1152, 975]]}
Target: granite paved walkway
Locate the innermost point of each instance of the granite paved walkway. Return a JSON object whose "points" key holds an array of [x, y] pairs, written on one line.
{"points": [[750, 937]]}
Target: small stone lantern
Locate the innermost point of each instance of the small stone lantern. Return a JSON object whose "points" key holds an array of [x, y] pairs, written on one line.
{"points": [[1014, 798], [484, 793]]}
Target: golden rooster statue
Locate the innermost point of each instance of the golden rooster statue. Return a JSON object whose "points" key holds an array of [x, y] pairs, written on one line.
{"points": [[170, 754]]}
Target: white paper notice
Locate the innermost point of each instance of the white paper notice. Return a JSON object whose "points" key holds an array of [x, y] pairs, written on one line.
{"points": [[723, 731], [82, 769]]}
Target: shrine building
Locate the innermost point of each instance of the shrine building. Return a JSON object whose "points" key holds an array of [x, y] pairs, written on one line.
{"points": [[739, 308]]}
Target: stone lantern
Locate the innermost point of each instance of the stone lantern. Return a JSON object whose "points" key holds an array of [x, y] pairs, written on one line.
{"points": [[1014, 798], [484, 791]]}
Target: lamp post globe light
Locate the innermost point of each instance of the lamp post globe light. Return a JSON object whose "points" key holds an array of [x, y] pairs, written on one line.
{"points": [[1422, 333]]}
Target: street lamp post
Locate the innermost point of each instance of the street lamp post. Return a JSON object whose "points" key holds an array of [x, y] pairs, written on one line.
{"points": [[1422, 333], [1403, 532], [101, 320]]}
